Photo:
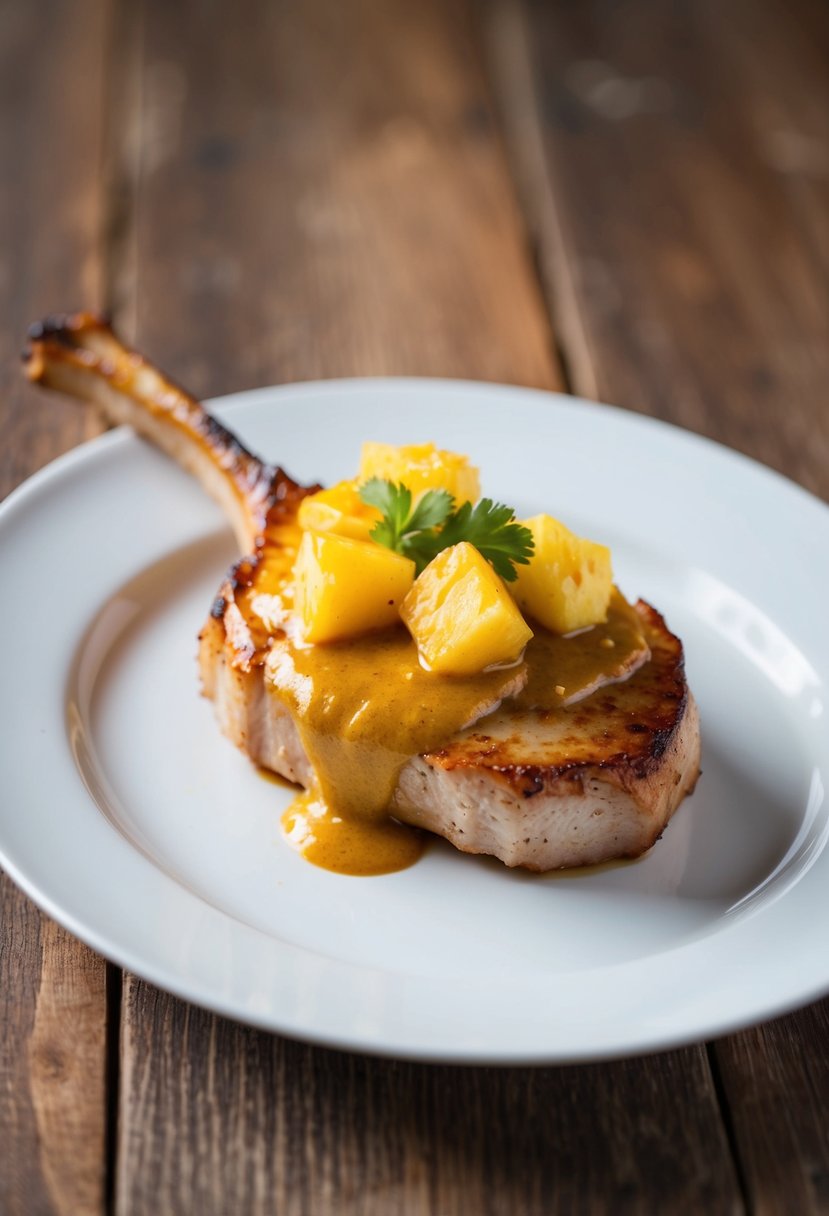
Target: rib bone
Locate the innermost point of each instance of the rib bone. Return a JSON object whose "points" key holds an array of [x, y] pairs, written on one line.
{"points": [[80, 355]]}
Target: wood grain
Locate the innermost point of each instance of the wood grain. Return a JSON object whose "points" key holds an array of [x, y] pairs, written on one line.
{"points": [[331, 198], [266, 1125], [52, 1001], [676, 178], [50, 208], [674, 169], [776, 1079], [52, 1066], [319, 190]]}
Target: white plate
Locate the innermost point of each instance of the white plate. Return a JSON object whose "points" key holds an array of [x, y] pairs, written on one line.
{"points": [[128, 818]]}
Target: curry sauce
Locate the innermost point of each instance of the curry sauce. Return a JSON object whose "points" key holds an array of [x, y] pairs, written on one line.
{"points": [[364, 707]]}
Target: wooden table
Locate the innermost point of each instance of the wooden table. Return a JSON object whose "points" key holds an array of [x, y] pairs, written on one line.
{"points": [[629, 201]]}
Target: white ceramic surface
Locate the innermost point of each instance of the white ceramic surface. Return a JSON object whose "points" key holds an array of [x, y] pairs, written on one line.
{"points": [[128, 818]]}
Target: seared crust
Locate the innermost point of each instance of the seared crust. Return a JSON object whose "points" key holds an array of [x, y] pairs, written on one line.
{"points": [[588, 782], [624, 728]]}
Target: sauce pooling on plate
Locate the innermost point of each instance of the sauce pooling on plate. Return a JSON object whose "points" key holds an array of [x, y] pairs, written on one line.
{"points": [[364, 707]]}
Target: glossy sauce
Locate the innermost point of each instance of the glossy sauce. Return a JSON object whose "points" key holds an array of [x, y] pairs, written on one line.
{"points": [[349, 844], [562, 670], [365, 707]]}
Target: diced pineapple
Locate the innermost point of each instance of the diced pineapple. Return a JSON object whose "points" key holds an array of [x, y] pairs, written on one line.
{"points": [[462, 616], [422, 466], [568, 582], [346, 587], [339, 509]]}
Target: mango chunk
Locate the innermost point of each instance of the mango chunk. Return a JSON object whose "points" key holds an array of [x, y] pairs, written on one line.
{"points": [[568, 582], [461, 615], [338, 509], [345, 587], [422, 467]]}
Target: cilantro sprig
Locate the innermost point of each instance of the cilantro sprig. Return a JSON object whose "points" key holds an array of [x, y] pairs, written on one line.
{"points": [[400, 526], [436, 524]]}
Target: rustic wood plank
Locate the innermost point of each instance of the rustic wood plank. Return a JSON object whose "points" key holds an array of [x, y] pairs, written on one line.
{"points": [[675, 171], [316, 213], [776, 1079], [50, 207], [682, 208], [267, 1125], [52, 989]]}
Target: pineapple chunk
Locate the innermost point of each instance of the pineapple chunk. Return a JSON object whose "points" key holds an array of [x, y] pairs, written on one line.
{"points": [[338, 509], [346, 587], [568, 583], [462, 616], [422, 467]]}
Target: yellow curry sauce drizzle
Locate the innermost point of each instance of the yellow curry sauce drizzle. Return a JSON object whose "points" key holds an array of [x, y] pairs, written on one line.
{"points": [[364, 707]]}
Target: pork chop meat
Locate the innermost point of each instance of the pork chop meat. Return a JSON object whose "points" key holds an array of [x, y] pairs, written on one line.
{"points": [[593, 781]]}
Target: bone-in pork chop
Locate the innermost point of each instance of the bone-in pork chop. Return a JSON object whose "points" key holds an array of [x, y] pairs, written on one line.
{"points": [[589, 781]]}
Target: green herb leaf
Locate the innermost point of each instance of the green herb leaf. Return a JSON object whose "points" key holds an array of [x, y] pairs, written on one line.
{"points": [[399, 522], [434, 525], [395, 505], [433, 508], [492, 529]]}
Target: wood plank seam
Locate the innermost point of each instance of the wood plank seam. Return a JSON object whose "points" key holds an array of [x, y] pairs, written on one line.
{"points": [[505, 38], [727, 1117], [112, 1070], [122, 142]]}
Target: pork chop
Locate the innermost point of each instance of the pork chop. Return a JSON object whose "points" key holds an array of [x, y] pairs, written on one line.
{"points": [[588, 782]]}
